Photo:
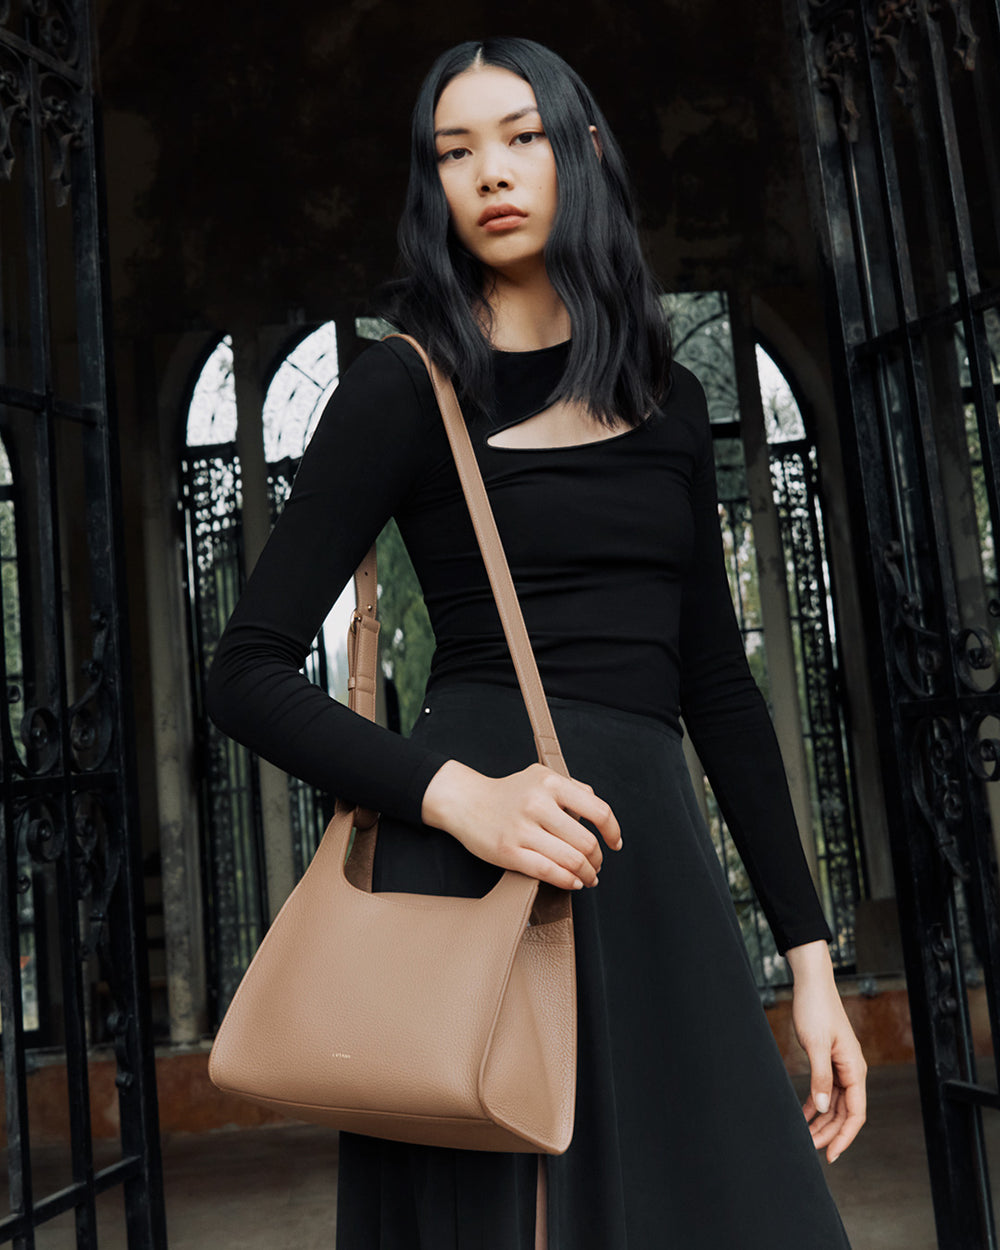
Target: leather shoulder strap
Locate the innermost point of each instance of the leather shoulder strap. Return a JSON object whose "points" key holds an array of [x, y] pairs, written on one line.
{"points": [[501, 582]]}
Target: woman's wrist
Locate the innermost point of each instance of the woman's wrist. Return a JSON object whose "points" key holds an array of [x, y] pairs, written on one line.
{"points": [[448, 792], [810, 962]]}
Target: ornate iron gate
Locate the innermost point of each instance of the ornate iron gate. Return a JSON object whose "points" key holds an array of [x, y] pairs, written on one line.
{"points": [[233, 869], [68, 824], [901, 102]]}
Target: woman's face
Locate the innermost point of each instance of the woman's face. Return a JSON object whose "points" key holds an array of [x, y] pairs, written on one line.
{"points": [[493, 154]]}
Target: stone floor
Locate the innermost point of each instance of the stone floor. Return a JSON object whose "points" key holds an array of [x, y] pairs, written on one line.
{"points": [[274, 1188]]}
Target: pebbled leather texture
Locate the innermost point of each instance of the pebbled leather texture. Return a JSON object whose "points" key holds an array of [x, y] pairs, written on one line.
{"points": [[419, 1018]]}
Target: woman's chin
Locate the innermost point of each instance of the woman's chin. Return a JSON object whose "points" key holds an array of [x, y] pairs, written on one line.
{"points": [[512, 264]]}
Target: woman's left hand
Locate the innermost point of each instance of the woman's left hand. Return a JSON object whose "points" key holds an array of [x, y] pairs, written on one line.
{"points": [[836, 1106]]}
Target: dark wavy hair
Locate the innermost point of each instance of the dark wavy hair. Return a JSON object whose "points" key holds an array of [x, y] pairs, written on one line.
{"points": [[621, 351]]}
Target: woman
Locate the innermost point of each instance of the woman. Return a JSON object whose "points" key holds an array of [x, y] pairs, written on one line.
{"points": [[525, 280]]}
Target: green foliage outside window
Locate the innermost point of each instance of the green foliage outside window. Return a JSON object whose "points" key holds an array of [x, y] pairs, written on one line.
{"points": [[406, 640]]}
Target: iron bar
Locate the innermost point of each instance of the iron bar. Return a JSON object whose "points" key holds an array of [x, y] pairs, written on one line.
{"points": [[918, 325], [30, 401], [70, 1196]]}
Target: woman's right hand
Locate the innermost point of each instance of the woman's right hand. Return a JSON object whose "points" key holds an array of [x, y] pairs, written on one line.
{"points": [[526, 821]]}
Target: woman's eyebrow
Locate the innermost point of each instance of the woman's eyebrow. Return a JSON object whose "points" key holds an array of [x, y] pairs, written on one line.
{"points": [[511, 117]]}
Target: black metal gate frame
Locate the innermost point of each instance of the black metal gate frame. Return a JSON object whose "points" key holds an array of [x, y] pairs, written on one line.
{"points": [[931, 695], [68, 801]]}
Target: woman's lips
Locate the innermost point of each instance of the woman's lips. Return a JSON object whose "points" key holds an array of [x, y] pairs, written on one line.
{"points": [[496, 224], [501, 217]]}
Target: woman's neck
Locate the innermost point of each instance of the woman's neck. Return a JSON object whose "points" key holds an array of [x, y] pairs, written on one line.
{"points": [[527, 312]]}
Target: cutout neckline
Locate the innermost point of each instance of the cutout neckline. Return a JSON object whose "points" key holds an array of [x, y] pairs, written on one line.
{"points": [[591, 442]]}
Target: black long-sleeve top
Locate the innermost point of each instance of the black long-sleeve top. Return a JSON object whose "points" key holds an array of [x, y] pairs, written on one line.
{"points": [[616, 553]]}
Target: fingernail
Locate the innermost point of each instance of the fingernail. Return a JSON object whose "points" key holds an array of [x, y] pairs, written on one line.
{"points": [[596, 880], [577, 885], [619, 846], [822, 1102], [834, 1158]]}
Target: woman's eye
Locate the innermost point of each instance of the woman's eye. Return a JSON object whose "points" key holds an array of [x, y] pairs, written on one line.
{"points": [[454, 152], [528, 135]]}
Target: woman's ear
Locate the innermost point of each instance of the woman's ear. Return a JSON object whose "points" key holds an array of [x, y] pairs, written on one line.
{"points": [[597, 142]]}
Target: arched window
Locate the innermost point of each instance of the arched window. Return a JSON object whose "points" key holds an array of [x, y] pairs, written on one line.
{"points": [[12, 632], [703, 341], [234, 877], [795, 489], [14, 641], [298, 393], [235, 896], [296, 397], [299, 390], [211, 418], [781, 410]]}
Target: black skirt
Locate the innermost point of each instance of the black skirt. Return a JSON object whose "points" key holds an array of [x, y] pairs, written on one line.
{"points": [[688, 1131]]}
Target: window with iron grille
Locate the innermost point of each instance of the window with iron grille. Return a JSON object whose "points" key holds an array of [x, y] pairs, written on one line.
{"points": [[703, 342]]}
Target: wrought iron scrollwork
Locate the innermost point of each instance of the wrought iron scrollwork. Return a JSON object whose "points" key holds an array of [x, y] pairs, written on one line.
{"points": [[119, 1025], [966, 39], [57, 32], [892, 31], [942, 948], [919, 652], [58, 99], [42, 834], [974, 652], [91, 717], [983, 754], [934, 779], [40, 735], [916, 650], [97, 866], [62, 120], [14, 104], [836, 67]]}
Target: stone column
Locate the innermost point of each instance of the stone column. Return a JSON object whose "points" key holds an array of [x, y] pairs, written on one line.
{"points": [[774, 603], [256, 521], [172, 721]]}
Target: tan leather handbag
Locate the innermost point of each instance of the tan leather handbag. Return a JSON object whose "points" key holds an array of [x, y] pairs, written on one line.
{"points": [[439, 1020]]}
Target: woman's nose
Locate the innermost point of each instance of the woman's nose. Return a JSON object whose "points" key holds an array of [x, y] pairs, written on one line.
{"points": [[494, 173]]}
